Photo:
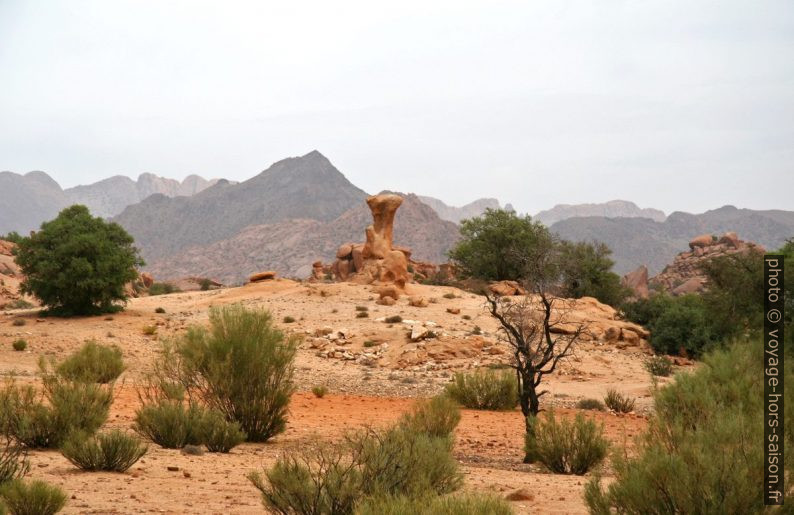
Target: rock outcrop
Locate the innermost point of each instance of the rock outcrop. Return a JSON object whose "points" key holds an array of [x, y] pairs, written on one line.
{"points": [[637, 282], [685, 275]]}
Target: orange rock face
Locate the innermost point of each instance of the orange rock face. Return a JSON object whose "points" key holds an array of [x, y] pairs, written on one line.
{"points": [[381, 233], [262, 276]]}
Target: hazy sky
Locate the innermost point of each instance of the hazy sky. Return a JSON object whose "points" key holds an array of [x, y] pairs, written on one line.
{"points": [[676, 105]]}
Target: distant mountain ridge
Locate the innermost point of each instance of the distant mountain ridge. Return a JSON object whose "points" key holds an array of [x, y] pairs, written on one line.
{"points": [[29, 199], [638, 241], [610, 209], [456, 214]]}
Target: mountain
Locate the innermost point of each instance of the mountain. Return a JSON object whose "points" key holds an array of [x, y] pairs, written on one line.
{"points": [[456, 214], [291, 246], [611, 209], [638, 241], [28, 200], [307, 187], [109, 197]]}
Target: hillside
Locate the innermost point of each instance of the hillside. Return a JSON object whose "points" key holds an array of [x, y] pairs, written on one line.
{"points": [[307, 187], [637, 241], [27, 200], [291, 246]]}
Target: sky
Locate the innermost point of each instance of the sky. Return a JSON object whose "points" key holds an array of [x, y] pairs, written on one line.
{"points": [[677, 105]]}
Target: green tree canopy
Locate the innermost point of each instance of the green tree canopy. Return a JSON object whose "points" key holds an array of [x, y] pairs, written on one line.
{"points": [[498, 245], [586, 271], [78, 264]]}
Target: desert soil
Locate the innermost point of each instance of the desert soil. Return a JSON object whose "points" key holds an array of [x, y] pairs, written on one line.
{"points": [[361, 392]]}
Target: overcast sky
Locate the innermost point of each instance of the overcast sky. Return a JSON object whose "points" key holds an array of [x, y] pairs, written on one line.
{"points": [[675, 105]]}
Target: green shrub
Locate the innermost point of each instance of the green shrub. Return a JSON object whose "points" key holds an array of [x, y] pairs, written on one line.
{"points": [[466, 317], [20, 345], [704, 442], [590, 404], [437, 417], [370, 343], [169, 424], [218, 434], [19, 304], [477, 330], [32, 497], [114, 451], [317, 479], [465, 504], [18, 322], [93, 363], [485, 389], [162, 289], [78, 264], [659, 366], [205, 284], [288, 320], [565, 447], [149, 330], [319, 391], [70, 406], [13, 460], [449, 296], [159, 310], [242, 366], [394, 319], [618, 402]]}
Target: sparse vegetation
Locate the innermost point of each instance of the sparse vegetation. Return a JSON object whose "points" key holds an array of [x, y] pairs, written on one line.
{"points": [[449, 295], [370, 343], [159, 310], [20, 345], [13, 457], [169, 423], [484, 389], [319, 391], [93, 363], [217, 433], [149, 330], [394, 319], [113, 451], [466, 504], [701, 451], [94, 260], [477, 330], [32, 497], [659, 366], [618, 402], [288, 320], [436, 417], [18, 322], [362, 314], [466, 317], [590, 404], [205, 284], [19, 304], [162, 289], [362, 308], [241, 366], [565, 447]]}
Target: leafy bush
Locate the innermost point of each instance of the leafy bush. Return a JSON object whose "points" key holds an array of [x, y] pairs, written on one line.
{"points": [[565, 447], [32, 498], [163, 289], [677, 324], [487, 390], [394, 319], [169, 424], [205, 284], [71, 406], [618, 402], [242, 366], [704, 443], [331, 478], [466, 504], [319, 391], [114, 451], [13, 460], [78, 264], [217, 433], [659, 366], [586, 270], [20, 345], [590, 404], [93, 363], [437, 417]]}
